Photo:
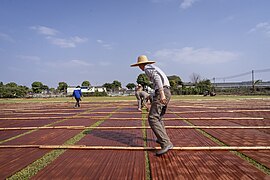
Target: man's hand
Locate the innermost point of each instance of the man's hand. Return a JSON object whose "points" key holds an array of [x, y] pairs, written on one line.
{"points": [[163, 99]]}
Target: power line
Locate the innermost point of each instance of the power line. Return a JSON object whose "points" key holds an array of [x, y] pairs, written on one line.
{"points": [[262, 70], [235, 76], [242, 74]]}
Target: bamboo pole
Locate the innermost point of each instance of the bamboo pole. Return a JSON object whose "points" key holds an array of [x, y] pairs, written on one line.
{"points": [[172, 112], [219, 111], [55, 117], [205, 107], [250, 110], [128, 118], [49, 113], [196, 118], [20, 146], [44, 127], [134, 127], [223, 118], [84, 147], [41, 113], [29, 118]]}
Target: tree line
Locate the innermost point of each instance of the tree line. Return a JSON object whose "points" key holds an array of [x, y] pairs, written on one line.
{"points": [[12, 90], [178, 87]]}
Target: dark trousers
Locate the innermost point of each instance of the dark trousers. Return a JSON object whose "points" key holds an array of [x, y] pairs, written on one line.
{"points": [[155, 116], [77, 104]]}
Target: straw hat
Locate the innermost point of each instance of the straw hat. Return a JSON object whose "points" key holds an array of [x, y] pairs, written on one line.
{"points": [[142, 60]]}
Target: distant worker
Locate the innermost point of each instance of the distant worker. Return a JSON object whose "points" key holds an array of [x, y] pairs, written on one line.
{"points": [[77, 94], [142, 97], [161, 99]]}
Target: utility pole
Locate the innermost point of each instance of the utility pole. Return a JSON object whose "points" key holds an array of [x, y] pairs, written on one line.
{"points": [[253, 84], [214, 79]]}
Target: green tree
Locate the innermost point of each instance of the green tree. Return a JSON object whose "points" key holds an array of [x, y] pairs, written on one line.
{"points": [[45, 87], [21, 91], [12, 90], [52, 90], [130, 85], [204, 85], [116, 84], [86, 83], [108, 86], [143, 80], [175, 82], [62, 87], [37, 87], [11, 84], [113, 86]]}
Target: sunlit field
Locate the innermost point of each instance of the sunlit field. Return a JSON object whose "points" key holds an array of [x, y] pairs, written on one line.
{"points": [[44, 138]]}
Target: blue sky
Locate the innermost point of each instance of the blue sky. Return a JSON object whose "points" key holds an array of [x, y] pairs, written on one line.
{"points": [[97, 40]]}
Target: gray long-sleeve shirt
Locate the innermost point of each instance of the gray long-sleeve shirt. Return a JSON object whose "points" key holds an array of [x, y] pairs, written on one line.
{"points": [[156, 76]]}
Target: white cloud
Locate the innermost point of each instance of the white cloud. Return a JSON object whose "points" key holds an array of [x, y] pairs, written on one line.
{"points": [[6, 37], [105, 44], [75, 63], [190, 55], [99, 41], [187, 3], [77, 39], [51, 33], [34, 59], [44, 30], [184, 3], [63, 43], [79, 63], [66, 43], [263, 27]]}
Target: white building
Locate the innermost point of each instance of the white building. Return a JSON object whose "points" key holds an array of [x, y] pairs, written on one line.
{"points": [[86, 89]]}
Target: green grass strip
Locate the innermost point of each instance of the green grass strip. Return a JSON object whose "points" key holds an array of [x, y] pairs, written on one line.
{"points": [[33, 168], [37, 165], [146, 154], [250, 160], [255, 163]]}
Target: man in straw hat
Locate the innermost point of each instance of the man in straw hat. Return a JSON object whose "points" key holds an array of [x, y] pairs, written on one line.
{"points": [[160, 101]]}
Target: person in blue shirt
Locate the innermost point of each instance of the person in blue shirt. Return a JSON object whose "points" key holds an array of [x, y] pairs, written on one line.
{"points": [[77, 94]]}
